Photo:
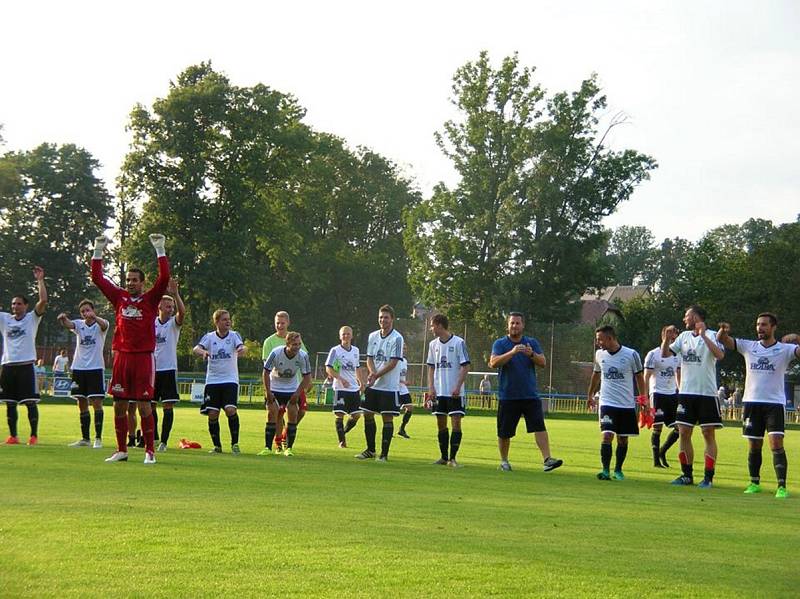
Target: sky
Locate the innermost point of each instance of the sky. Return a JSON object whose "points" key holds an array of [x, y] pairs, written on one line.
{"points": [[709, 89]]}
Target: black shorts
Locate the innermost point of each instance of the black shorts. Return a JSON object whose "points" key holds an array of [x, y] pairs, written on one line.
{"points": [[219, 396], [511, 410], [760, 416], [405, 400], [620, 421], [88, 383], [346, 402], [697, 409], [377, 401], [283, 397], [665, 408], [449, 406], [18, 384], [166, 388]]}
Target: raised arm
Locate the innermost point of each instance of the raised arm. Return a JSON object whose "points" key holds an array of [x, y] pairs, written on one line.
{"points": [[710, 343], [41, 305], [107, 288], [160, 286], [724, 336], [65, 322], [180, 308]]}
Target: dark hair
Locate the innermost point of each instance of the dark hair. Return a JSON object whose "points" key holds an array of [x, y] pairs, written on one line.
{"points": [[386, 308], [772, 318], [606, 329], [139, 272], [440, 319], [85, 302], [519, 314], [21, 297], [699, 311]]}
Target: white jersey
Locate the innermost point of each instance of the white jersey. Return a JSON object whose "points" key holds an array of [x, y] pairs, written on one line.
{"points": [[447, 358], [346, 363], [665, 371], [166, 352], [60, 364], [223, 359], [765, 368], [403, 366], [19, 337], [89, 343], [382, 349], [617, 372], [698, 364], [284, 371]]}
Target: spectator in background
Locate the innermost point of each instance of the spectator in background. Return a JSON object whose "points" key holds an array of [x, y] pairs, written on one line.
{"points": [[61, 364], [41, 374], [722, 396]]}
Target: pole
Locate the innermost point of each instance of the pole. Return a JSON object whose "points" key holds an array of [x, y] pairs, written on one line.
{"points": [[552, 343], [424, 345]]}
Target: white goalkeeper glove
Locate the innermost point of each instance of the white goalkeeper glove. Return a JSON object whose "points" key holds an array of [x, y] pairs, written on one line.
{"points": [[158, 242], [100, 243]]}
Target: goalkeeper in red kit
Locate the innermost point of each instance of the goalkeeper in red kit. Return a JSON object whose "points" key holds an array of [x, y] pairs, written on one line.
{"points": [[133, 344]]}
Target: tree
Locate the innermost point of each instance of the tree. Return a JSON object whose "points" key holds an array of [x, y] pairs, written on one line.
{"points": [[670, 262], [52, 206], [632, 256], [522, 227]]}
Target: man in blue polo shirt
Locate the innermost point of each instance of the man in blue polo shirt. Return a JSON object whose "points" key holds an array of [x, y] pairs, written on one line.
{"points": [[516, 356]]}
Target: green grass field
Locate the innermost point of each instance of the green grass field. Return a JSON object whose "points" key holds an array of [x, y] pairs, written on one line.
{"points": [[324, 524]]}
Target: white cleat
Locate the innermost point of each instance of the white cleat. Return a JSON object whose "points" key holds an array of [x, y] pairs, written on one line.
{"points": [[98, 443], [149, 457], [80, 443], [118, 456], [162, 447]]}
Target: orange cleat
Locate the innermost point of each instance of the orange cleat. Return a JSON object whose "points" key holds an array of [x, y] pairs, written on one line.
{"points": [[12, 441], [34, 440]]}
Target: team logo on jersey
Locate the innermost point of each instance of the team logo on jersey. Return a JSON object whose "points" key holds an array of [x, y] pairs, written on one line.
{"points": [[659, 412], [680, 409], [747, 423], [221, 354], [668, 372], [443, 363], [286, 373], [762, 364], [87, 341], [131, 312], [161, 338], [613, 374], [346, 366], [380, 356], [16, 332], [606, 419], [118, 388], [691, 356]]}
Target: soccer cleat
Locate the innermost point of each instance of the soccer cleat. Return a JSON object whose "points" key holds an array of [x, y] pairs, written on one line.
{"points": [[235, 448], [277, 451], [440, 462], [288, 452], [215, 450], [603, 475], [365, 455], [618, 475], [505, 466], [402, 433], [683, 481], [12, 441], [342, 445], [98, 443], [705, 484], [265, 451], [34, 440], [131, 442], [80, 443], [382, 459], [781, 493], [118, 456], [551, 464], [453, 464], [139, 439], [663, 458], [752, 489], [149, 457], [162, 447]]}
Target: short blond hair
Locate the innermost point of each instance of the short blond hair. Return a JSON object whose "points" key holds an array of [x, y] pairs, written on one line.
{"points": [[291, 336], [218, 314], [282, 314]]}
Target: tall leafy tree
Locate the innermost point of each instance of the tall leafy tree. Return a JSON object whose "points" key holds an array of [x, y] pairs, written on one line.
{"points": [[632, 256], [522, 228]]}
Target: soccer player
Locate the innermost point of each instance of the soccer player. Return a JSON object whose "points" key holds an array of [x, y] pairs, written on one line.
{"points": [[615, 368], [282, 389], [662, 377], [384, 352], [343, 365], [448, 365], [18, 380], [406, 405], [766, 361], [698, 349], [516, 356], [221, 348], [171, 312], [278, 339], [133, 343], [88, 381]]}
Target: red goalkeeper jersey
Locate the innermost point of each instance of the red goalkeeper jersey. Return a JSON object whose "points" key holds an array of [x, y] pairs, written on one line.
{"points": [[135, 330]]}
